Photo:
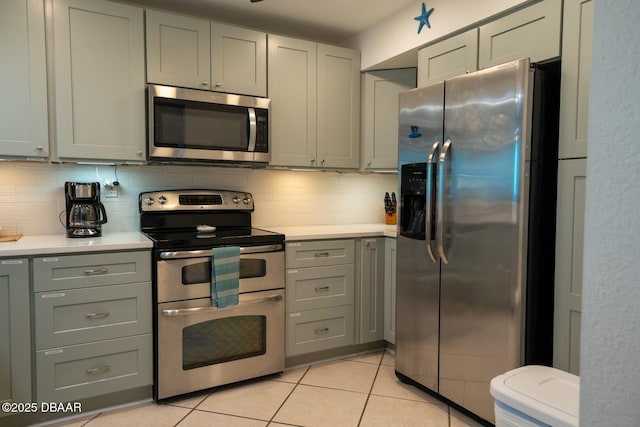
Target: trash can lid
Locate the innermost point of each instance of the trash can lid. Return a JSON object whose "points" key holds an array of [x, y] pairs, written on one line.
{"points": [[546, 394]]}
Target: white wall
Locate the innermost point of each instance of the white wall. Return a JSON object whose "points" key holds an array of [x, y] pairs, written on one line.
{"points": [[398, 33], [32, 195], [610, 354]]}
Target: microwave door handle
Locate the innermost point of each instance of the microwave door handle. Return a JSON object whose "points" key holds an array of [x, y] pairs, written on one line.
{"points": [[252, 130]]}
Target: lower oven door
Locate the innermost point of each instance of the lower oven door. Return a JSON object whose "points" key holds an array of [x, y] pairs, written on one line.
{"points": [[200, 346]]}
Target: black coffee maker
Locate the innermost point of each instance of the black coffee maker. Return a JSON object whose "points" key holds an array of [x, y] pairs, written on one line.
{"points": [[85, 213]]}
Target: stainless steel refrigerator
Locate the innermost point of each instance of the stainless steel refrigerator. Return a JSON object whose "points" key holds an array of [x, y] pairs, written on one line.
{"points": [[475, 251]]}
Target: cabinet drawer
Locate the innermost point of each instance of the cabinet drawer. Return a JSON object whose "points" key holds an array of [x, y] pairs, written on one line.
{"points": [[317, 253], [80, 271], [320, 287], [90, 314], [321, 329], [86, 370]]}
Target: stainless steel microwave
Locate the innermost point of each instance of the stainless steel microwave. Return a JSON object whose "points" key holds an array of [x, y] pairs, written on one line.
{"points": [[201, 126]]}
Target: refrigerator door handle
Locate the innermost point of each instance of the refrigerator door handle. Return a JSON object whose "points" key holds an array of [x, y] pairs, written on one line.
{"points": [[442, 165], [430, 184]]}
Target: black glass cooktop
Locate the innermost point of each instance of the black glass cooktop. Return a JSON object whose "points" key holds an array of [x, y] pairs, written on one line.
{"points": [[191, 239]]}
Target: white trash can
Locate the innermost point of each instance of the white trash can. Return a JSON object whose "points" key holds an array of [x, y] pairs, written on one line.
{"points": [[534, 396]]}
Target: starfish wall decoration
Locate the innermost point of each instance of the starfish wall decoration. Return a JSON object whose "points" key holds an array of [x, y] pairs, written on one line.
{"points": [[424, 18]]}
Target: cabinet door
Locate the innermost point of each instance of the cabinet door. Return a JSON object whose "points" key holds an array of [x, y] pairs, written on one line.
{"points": [[380, 115], [100, 80], [338, 107], [449, 58], [238, 60], [15, 332], [577, 41], [292, 88], [390, 290], [532, 32], [178, 50], [371, 298], [568, 276], [23, 104]]}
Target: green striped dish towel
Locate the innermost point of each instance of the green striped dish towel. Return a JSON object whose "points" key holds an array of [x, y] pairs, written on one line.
{"points": [[225, 276]]}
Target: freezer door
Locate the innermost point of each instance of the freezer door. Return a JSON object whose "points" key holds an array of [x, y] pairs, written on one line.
{"points": [[418, 268], [484, 204]]}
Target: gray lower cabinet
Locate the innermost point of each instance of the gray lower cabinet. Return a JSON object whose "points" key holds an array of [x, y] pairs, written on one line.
{"points": [[320, 289], [370, 304], [390, 290], [92, 324], [15, 341]]}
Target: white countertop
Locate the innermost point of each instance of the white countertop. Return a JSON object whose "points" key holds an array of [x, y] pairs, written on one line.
{"points": [[60, 244], [314, 232]]}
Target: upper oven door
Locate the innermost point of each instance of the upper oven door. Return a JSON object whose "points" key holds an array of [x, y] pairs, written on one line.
{"points": [[187, 274], [201, 125]]}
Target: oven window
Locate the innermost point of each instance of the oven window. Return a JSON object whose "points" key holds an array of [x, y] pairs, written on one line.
{"points": [[201, 273], [222, 340]]}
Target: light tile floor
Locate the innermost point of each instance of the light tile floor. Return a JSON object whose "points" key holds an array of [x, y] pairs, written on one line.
{"points": [[356, 391]]}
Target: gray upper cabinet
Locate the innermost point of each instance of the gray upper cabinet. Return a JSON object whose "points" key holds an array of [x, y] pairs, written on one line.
{"points": [[448, 58], [532, 32], [315, 90], [195, 53], [100, 80], [238, 60], [15, 344], [23, 104], [576, 75], [178, 50], [292, 89], [380, 115], [338, 107]]}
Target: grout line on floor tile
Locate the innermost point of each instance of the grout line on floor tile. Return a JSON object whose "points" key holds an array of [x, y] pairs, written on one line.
{"points": [[288, 395], [366, 402]]}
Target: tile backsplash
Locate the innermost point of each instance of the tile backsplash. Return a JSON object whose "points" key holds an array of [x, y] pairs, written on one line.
{"points": [[32, 195]]}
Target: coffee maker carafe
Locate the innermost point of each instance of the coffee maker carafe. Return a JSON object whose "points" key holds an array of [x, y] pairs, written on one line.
{"points": [[85, 213]]}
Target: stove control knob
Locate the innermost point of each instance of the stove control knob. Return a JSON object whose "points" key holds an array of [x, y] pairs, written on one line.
{"points": [[149, 201], [236, 200], [162, 200], [246, 200]]}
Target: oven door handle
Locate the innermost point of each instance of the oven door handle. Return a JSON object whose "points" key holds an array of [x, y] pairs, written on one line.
{"points": [[201, 253], [199, 310]]}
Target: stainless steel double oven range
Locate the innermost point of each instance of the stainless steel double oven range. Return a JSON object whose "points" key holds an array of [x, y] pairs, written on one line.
{"points": [[197, 345]]}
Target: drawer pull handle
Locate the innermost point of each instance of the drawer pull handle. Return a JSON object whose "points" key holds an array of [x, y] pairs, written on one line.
{"points": [[94, 271], [100, 315], [321, 331], [322, 254], [101, 370], [322, 289]]}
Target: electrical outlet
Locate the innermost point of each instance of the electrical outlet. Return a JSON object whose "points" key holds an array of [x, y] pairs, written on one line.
{"points": [[111, 194]]}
